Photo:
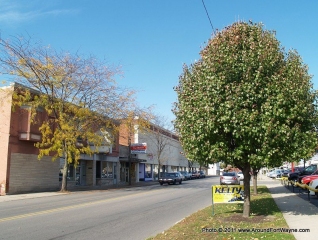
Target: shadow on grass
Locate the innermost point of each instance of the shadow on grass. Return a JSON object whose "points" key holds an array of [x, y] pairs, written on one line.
{"points": [[261, 204], [260, 190]]}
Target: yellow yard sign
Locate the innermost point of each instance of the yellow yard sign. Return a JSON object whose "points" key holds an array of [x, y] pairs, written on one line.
{"points": [[227, 194]]}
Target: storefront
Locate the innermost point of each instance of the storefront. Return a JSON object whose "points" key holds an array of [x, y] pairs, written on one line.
{"points": [[146, 172], [137, 169], [97, 170]]}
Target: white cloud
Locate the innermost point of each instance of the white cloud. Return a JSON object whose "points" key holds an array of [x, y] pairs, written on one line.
{"points": [[12, 13]]}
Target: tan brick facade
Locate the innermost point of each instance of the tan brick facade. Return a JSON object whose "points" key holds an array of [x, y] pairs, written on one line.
{"points": [[28, 174]]}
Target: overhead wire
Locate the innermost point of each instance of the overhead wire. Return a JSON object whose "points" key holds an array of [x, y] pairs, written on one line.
{"points": [[208, 16]]}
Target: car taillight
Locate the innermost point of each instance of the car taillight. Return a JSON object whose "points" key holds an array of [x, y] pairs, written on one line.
{"points": [[234, 178]]}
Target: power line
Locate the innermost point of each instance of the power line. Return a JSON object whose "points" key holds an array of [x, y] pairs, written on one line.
{"points": [[208, 15]]}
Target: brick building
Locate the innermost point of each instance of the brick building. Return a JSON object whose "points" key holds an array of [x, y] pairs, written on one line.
{"points": [[22, 171]]}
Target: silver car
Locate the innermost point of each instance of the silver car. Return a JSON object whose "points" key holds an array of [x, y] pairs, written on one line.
{"points": [[187, 175], [241, 175], [229, 178]]}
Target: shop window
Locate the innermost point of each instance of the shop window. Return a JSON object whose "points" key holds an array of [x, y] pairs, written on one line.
{"points": [[148, 171], [98, 169], [155, 172], [107, 170], [70, 173]]}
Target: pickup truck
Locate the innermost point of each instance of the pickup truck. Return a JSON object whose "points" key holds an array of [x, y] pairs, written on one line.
{"points": [[297, 176]]}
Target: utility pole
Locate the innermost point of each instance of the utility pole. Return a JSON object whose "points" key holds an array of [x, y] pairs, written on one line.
{"points": [[129, 158]]}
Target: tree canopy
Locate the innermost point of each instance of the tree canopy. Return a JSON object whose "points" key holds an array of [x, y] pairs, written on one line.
{"points": [[246, 102]]}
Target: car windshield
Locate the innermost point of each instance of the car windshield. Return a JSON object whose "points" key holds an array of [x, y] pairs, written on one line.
{"points": [[311, 168], [170, 174], [229, 174]]}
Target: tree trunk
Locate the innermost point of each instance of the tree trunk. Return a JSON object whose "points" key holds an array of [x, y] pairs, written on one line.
{"points": [[64, 177], [158, 171], [247, 192], [65, 170]]}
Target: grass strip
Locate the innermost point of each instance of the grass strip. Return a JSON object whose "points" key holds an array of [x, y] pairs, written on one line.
{"points": [[265, 222]]}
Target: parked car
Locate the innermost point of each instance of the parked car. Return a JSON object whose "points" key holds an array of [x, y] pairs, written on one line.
{"points": [[187, 175], [230, 178], [314, 184], [284, 173], [270, 172], [241, 175], [297, 176], [275, 173], [182, 177], [298, 169], [170, 178], [202, 174], [309, 178], [287, 172], [195, 174]]}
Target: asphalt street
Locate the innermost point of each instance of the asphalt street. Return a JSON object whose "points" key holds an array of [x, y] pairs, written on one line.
{"points": [[127, 213]]}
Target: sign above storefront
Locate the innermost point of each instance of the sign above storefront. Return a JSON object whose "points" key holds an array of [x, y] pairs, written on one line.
{"points": [[138, 148]]}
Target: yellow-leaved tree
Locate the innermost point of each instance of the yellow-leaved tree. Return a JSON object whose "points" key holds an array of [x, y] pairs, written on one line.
{"points": [[79, 95]]}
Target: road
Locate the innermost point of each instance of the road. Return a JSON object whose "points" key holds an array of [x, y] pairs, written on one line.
{"points": [[129, 213]]}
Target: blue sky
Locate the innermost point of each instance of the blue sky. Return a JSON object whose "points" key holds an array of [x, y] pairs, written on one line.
{"points": [[152, 39]]}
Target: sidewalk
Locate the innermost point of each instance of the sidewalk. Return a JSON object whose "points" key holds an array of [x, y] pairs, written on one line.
{"points": [[71, 190], [298, 213]]}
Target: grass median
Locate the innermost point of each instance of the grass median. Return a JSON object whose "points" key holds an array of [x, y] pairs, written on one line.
{"points": [[266, 222]]}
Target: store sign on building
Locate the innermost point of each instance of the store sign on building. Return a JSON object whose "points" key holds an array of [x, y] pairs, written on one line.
{"points": [[138, 148]]}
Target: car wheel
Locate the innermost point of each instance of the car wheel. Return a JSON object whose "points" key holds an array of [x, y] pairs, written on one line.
{"points": [[316, 193], [180, 182], [161, 183], [174, 182]]}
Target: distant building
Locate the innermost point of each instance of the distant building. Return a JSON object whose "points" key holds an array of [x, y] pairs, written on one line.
{"points": [[214, 169], [162, 148]]}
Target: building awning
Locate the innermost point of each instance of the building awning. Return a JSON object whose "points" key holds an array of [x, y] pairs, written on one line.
{"points": [[134, 160]]}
